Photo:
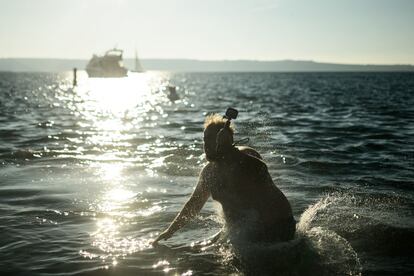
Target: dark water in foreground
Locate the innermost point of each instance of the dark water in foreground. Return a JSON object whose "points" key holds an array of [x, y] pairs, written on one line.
{"points": [[89, 176]]}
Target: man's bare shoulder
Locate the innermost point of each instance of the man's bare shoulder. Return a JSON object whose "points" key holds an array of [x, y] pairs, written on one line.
{"points": [[253, 161], [249, 151]]}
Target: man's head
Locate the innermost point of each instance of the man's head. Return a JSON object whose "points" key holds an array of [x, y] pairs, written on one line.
{"points": [[212, 126]]}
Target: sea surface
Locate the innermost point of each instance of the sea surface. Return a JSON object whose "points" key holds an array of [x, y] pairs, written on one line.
{"points": [[89, 175]]}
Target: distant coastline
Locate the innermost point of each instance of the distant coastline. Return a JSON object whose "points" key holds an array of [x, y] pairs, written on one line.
{"points": [[190, 65]]}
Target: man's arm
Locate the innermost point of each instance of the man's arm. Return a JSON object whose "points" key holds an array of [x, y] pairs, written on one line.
{"points": [[191, 208]]}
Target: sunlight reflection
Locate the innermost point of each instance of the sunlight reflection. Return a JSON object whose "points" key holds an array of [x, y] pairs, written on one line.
{"points": [[119, 195], [116, 199], [113, 112], [109, 240], [118, 95], [116, 216], [118, 211], [111, 171], [111, 236]]}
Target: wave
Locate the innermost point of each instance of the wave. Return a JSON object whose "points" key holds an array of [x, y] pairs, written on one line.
{"points": [[316, 250]]}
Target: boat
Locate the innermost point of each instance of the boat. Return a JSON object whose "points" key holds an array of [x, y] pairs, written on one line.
{"points": [[108, 66]]}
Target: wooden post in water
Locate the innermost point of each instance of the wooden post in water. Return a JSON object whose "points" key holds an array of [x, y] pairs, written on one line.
{"points": [[75, 82]]}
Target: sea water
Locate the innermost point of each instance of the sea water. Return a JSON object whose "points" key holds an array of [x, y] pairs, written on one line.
{"points": [[90, 175]]}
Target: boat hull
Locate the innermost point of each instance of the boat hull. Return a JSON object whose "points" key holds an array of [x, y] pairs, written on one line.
{"points": [[99, 73]]}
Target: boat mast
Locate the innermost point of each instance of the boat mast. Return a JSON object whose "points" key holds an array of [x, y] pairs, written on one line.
{"points": [[136, 60], [138, 67]]}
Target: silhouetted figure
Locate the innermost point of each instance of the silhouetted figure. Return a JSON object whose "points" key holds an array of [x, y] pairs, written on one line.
{"points": [[172, 93], [75, 81], [254, 208]]}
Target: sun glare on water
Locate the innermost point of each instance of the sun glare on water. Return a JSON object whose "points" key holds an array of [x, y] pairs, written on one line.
{"points": [[114, 110]]}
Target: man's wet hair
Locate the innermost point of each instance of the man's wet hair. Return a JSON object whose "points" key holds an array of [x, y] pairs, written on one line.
{"points": [[217, 121]]}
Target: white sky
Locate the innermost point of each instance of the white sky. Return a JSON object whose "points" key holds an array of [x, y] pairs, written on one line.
{"points": [[345, 31]]}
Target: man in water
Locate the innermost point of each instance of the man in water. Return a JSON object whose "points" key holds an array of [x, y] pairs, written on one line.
{"points": [[237, 178]]}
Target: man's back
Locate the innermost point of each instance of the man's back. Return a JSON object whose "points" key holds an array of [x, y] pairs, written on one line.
{"points": [[243, 186]]}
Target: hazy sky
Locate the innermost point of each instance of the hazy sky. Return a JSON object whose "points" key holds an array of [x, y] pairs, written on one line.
{"points": [[346, 31]]}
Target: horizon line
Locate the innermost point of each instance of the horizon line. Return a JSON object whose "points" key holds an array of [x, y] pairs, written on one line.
{"points": [[230, 60]]}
